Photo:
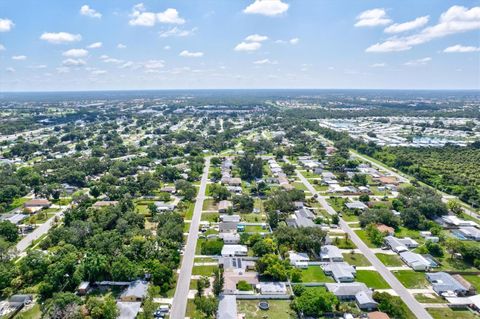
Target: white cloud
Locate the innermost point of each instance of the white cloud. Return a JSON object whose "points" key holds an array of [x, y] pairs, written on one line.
{"points": [[378, 65], [372, 18], [10, 70], [126, 65], [95, 45], [98, 72], [248, 46], [75, 53], [256, 38], [73, 62], [265, 61], [38, 66], [6, 25], [107, 59], [294, 40], [418, 62], [188, 54], [456, 19], [19, 57], [154, 64], [461, 49], [121, 46], [89, 12], [267, 7], [2, 47], [176, 32], [141, 17], [407, 26], [167, 47], [63, 69], [60, 37]]}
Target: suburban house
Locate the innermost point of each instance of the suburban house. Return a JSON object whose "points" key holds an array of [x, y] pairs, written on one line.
{"points": [[228, 227], [340, 271], [298, 260], [136, 291], [377, 315], [356, 291], [128, 310], [230, 238], [399, 245], [43, 203], [232, 277], [227, 307], [415, 261], [224, 205], [164, 207], [236, 264], [466, 284], [230, 218], [104, 203], [445, 284], [234, 250], [453, 220], [330, 253], [356, 205], [272, 288], [470, 233]]}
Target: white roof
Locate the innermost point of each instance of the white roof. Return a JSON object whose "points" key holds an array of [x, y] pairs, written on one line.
{"points": [[234, 249]]}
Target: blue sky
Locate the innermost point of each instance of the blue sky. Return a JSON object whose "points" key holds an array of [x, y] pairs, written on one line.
{"points": [[93, 45]]}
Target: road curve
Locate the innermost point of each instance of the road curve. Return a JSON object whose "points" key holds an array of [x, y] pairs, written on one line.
{"points": [[179, 304]]}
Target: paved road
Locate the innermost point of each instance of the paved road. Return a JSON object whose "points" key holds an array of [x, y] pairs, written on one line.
{"points": [[411, 303], [23, 244], [179, 305]]}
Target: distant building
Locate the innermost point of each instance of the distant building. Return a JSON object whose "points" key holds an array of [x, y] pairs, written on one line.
{"points": [[330, 253], [224, 205], [298, 260], [105, 203]]}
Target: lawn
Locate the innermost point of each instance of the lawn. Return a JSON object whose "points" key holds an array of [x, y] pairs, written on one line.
{"points": [[253, 218], [474, 280], [189, 211], [17, 202], [209, 204], [390, 260], [279, 309], [350, 218], [356, 259], [372, 279], [210, 217], [300, 186], [204, 270], [344, 243], [364, 237], [411, 279], [448, 264], [448, 313], [429, 298], [32, 313], [255, 229], [192, 311], [315, 274]]}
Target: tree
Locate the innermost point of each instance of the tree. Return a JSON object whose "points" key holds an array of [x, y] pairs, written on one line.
{"points": [[63, 305], [218, 282], [455, 207], [364, 198], [243, 203], [273, 267], [9, 231], [314, 302], [185, 189], [263, 247], [375, 236], [391, 305], [251, 167], [207, 305], [219, 192], [379, 216], [102, 308]]}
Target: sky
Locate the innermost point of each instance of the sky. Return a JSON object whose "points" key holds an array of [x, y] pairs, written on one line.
{"points": [[59, 45]]}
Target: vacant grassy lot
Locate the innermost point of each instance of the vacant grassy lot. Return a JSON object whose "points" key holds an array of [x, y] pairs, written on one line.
{"points": [[315, 274], [411, 279], [390, 260], [210, 217], [372, 279], [356, 259], [447, 313], [429, 298], [279, 309], [364, 237], [209, 204], [474, 280], [204, 270]]}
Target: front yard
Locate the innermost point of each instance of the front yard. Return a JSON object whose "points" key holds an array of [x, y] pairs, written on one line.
{"points": [[412, 279], [372, 279]]}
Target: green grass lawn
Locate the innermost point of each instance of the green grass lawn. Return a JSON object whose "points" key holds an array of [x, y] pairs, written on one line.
{"points": [[253, 218], [204, 270], [32, 313], [372, 279], [448, 313], [209, 204], [300, 186], [255, 229], [411, 279], [17, 202], [390, 260], [454, 264], [189, 211], [315, 274], [364, 237], [350, 218], [430, 298], [343, 243], [192, 311], [279, 309], [474, 280], [210, 217], [356, 259]]}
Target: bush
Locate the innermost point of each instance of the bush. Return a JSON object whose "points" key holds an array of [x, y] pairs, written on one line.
{"points": [[212, 247]]}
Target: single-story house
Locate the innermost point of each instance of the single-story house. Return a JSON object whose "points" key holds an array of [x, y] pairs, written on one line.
{"points": [[272, 288], [230, 218], [234, 250], [236, 264], [224, 205], [377, 315], [128, 310], [298, 260], [164, 207], [356, 205], [232, 277], [357, 291], [104, 203], [136, 291], [168, 189], [230, 238], [443, 283], [227, 227], [466, 284], [470, 233], [386, 229], [340, 271], [455, 221], [399, 245], [330, 253], [415, 261], [39, 202], [227, 307], [83, 288]]}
